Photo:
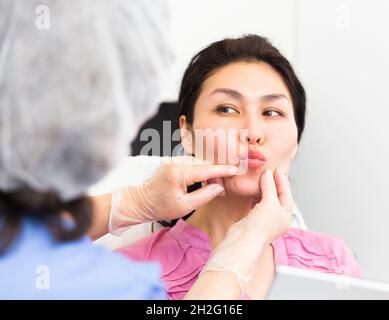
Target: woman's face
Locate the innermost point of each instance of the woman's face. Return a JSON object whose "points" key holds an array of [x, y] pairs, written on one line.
{"points": [[243, 108]]}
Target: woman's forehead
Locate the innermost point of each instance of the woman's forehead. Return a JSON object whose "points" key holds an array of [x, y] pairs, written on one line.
{"points": [[246, 79]]}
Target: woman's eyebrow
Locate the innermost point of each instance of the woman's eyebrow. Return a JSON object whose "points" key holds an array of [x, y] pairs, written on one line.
{"points": [[230, 92], [237, 95], [273, 97]]}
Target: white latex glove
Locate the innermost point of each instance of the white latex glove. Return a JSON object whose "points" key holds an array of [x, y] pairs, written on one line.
{"points": [[270, 218], [164, 196]]}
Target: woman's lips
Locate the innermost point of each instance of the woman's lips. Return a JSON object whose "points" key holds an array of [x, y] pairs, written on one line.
{"points": [[255, 159], [254, 163]]}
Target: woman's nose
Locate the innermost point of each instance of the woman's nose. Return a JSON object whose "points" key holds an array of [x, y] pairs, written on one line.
{"points": [[253, 133], [251, 139]]}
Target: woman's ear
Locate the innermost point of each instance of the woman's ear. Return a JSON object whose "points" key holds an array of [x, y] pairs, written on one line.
{"points": [[186, 135]]}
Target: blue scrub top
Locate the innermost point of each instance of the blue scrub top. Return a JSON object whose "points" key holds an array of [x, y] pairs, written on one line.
{"points": [[36, 266]]}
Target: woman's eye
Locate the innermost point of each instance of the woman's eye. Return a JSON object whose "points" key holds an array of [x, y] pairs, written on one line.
{"points": [[272, 113], [226, 109]]}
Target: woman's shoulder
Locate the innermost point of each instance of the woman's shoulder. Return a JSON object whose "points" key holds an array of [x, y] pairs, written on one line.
{"points": [[181, 251], [166, 243], [158, 246], [317, 251]]}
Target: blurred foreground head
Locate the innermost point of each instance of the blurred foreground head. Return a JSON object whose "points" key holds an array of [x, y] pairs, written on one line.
{"points": [[77, 78]]}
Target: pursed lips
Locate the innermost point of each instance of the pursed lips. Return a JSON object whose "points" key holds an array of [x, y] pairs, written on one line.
{"points": [[255, 159]]}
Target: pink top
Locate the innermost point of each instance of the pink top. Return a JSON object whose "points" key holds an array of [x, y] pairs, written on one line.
{"points": [[183, 250]]}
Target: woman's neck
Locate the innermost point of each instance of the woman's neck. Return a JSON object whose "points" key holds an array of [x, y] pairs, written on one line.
{"points": [[217, 216]]}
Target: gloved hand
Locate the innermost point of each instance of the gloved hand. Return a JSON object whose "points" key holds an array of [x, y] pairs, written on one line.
{"points": [[270, 218], [164, 196]]}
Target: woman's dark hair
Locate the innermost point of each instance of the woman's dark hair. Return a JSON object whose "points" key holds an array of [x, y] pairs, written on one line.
{"points": [[248, 48], [46, 208]]}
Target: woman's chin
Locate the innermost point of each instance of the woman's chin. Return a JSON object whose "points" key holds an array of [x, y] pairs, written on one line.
{"points": [[244, 186]]}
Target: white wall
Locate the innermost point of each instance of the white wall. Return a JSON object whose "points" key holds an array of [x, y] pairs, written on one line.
{"points": [[342, 170]]}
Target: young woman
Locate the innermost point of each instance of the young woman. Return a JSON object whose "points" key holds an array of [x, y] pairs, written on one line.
{"points": [[246, 87]]}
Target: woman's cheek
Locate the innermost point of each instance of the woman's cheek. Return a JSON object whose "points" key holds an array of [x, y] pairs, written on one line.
{"points": [[283, 156], [216, 147]]}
